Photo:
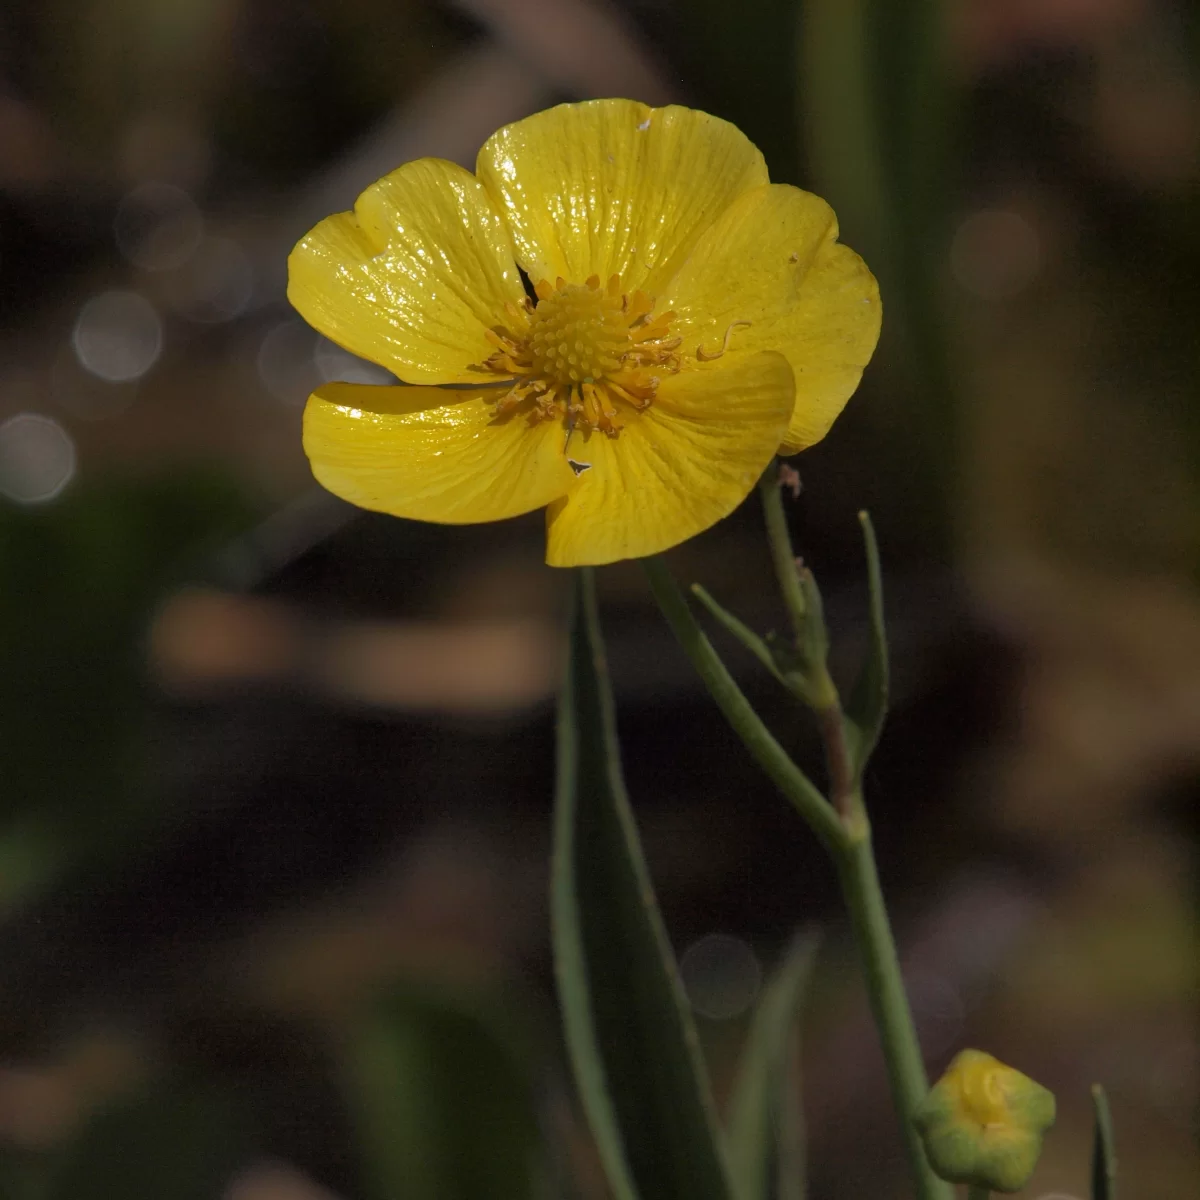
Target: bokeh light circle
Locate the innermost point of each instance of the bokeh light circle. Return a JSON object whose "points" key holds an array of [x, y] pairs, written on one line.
{"points": [[118, 336], [287, 362], [337, 365], [216, 284], [995, 254], [37, 458], [721, 975], [158, 226]]}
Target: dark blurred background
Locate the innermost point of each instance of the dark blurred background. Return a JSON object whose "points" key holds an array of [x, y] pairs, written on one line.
{"points": [[275, 775]]}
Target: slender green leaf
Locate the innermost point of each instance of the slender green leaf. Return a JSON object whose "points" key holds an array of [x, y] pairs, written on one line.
{"points": [[1104, 1153], [443, 1101], [763, 1133], [628, 1027], [739, 630], [866, 709]]}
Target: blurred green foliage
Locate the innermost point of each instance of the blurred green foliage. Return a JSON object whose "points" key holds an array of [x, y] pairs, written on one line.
{"points": [[442, 1089], [181, 1140], [81, 579]]}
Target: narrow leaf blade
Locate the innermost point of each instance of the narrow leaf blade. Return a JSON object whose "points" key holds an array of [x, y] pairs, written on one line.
{"points": [[628, 1027], [867, 707], [742, 632], [762, 1131], [1104, 1154]]}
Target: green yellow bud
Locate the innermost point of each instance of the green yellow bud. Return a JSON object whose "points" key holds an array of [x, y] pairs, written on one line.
{"points": [[983, 1123]]}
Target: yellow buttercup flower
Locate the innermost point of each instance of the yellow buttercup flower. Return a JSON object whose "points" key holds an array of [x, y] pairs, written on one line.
{"points": [[685, 319]]}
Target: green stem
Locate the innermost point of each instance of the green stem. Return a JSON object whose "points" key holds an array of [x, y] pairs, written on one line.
{"points": [[885, 989], [977, 1192], [856, 860], [763, 747]]}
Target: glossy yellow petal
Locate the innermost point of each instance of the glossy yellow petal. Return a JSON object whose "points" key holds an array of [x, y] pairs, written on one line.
{"points": [[773, 260], [431, 454], [679, 467], [413, 276], [612, 186]]}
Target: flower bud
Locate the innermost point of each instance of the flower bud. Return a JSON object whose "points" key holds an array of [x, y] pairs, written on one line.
{"points": [[983, 1122]]}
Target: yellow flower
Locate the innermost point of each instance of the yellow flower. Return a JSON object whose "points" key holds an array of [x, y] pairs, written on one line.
{"points": [[688, 319], [983, 1123]]}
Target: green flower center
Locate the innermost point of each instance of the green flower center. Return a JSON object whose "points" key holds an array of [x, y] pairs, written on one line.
{"points": [[578, 335]]}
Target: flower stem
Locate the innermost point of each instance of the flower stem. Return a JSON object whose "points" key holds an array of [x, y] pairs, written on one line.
{"points": [[843, 793], [885, 990]]}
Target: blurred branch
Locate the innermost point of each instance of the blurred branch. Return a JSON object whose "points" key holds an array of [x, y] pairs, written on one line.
{"points": [[204, 642], [583, 47]]}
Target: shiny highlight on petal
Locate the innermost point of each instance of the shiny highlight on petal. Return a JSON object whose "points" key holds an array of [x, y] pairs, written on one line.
{"points": [[612, 187], [412, 278], [430, 454]]}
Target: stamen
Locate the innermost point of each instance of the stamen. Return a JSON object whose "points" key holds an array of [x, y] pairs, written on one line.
{"points": [[703, 357], [519, 316], [581, 354]]}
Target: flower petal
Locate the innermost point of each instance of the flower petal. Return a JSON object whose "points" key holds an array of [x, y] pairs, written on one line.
{"points": [[413, 276], [430, 454], [773, 260], [612, 186], [677, 468]]}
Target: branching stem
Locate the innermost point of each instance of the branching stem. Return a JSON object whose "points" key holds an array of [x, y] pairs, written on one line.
{"points": [[840, 822]]}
